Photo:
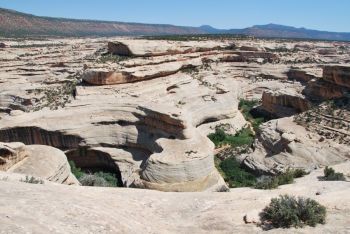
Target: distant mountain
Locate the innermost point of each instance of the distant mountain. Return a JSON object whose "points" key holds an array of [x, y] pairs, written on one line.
{"points": [[281, 31], [13, 23]]}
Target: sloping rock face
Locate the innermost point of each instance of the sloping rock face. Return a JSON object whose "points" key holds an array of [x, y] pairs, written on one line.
{"points": [[339, 75], [118, 210], [282, 144], [284, 102], [36, 160]]}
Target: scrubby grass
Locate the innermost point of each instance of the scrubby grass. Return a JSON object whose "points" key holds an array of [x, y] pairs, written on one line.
{"points": [[243, 137], [331, 175], [32, 180], [235, 175], [272, 182], [288, 211]]}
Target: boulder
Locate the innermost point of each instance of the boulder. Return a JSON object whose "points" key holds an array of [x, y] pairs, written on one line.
{"points": [[10, 154], [2, 45], [40, 161], [119, 48]]}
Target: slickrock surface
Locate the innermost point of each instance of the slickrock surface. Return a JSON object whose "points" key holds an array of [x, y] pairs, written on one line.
{"points": [[283, 143], [40, 161], [35, 208], [146, 110]]}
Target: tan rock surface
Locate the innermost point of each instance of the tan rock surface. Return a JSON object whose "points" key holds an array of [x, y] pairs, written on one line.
{"points": [[66, 209], [40, 161], [153, 131]]}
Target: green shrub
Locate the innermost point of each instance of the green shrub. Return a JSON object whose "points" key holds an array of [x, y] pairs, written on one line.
{"points": [[110, 178], [99, 179], [267, 182], [77, 172], [287, 211], [245, 106], [287, 177], [299, 173], [241, 138], [93, 180], [331, 175], [235, 175]]}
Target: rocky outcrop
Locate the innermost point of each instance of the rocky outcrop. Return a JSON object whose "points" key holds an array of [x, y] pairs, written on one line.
{"points": [[284, 103], [323, 90], [104, 77], [335, 83], [152, 149], [339, 75], [282, 144], [118, 48], [300, 75], [40, 161], [249, 56], [145, 48], [10, 154], [2, 45]]}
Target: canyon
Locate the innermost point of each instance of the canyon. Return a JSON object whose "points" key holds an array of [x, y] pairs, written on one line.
{"points": [[143, 109]]}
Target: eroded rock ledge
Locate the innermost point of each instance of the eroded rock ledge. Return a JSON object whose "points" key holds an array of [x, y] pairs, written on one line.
{"points": [[150, 148]]}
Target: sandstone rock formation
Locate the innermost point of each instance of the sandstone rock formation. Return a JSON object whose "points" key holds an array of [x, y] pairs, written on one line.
{"points": [[339, 75], [283, 144], [145, 111], [77, 209], [284, 102], [36, 160]]}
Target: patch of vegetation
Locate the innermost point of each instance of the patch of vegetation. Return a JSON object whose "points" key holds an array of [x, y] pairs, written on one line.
{"points": [[272, 182], [77, 172], [112, 58], [98, 179], [39, 45], [331, 175], [32, 180], [288, 211], [242, 138], [54, 97], [190, 69], [246, 106], [235, 175]]}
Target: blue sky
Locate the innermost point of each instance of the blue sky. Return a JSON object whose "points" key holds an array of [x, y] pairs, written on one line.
{"points": [[331, 15]]}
